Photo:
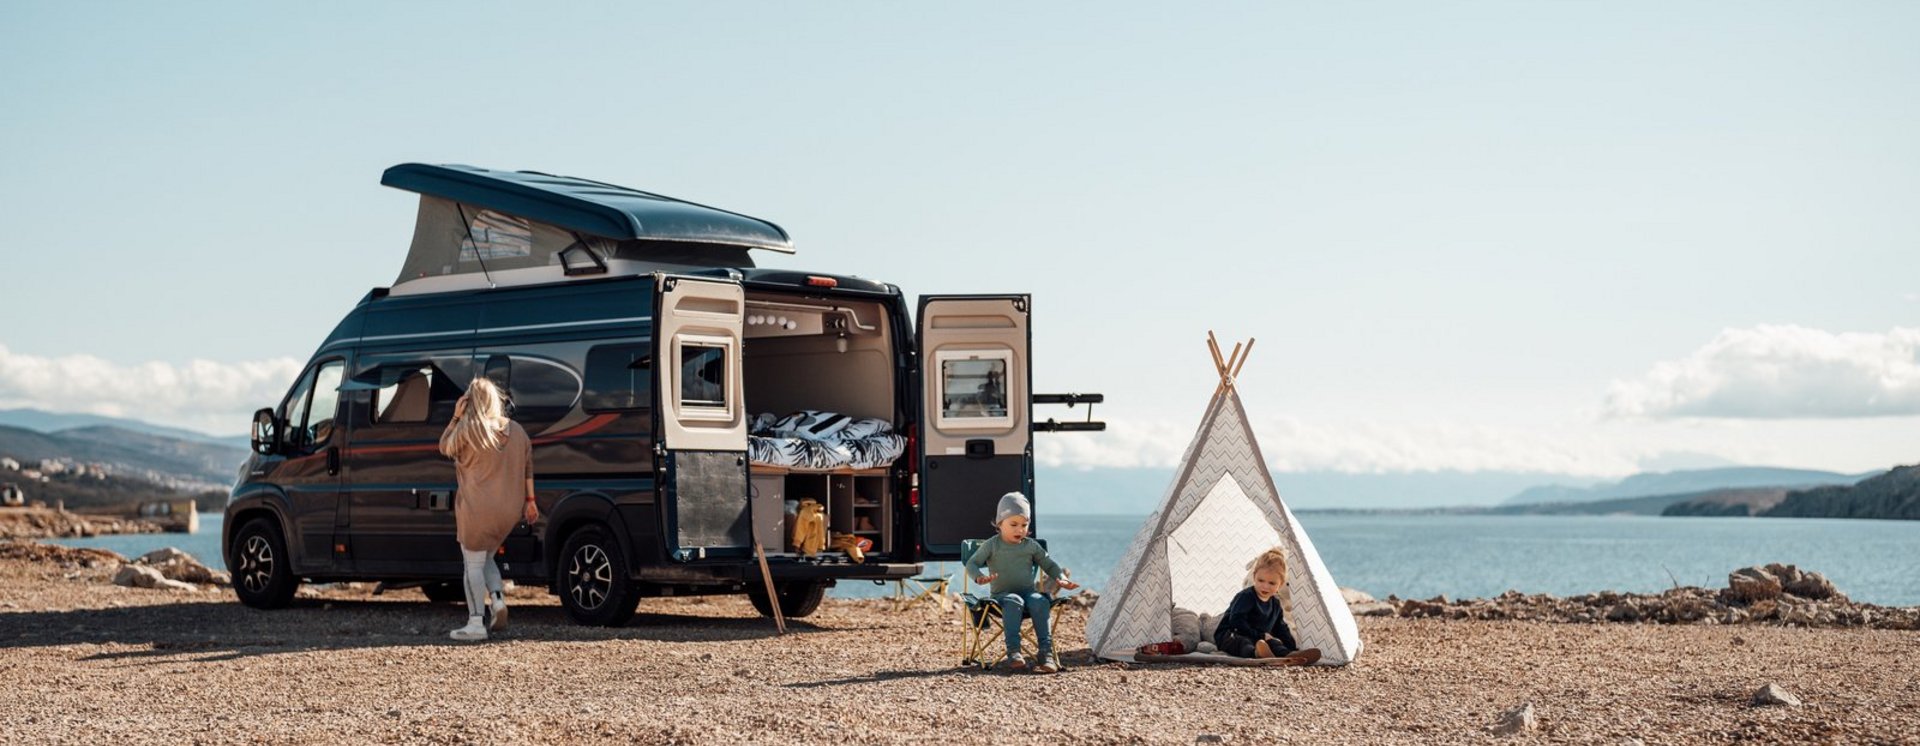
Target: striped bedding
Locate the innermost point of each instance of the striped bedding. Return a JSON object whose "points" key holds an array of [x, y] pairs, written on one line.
{"points": [[810, 439]]}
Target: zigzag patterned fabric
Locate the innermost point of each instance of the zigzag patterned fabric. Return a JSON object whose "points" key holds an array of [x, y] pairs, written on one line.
{"points": [[1195, 551]]}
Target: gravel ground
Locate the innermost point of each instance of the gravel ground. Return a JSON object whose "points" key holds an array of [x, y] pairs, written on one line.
{"points": [[89, 662]]}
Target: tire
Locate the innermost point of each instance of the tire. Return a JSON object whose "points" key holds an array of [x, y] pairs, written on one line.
{"points": [[595, 585], [262, 571], [797, 599], [445, 592]]}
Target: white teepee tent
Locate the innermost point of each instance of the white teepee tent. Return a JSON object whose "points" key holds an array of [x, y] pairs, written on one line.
{"points": [[1193, 553]]}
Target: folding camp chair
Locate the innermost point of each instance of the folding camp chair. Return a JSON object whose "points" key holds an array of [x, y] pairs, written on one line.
{"points": [[911, 592], [983, 635]]}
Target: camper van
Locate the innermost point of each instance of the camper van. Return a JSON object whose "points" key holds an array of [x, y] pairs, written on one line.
{"points": [[690, 413]]}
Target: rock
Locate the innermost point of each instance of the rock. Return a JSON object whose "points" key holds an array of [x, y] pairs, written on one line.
{"points": [[177, 565], [1355, 596], [1516, 720], [1811, 585], [1750, 584], [163, 555], [1623, 613], [1773, 694], [142, 576], [1374, 608]]}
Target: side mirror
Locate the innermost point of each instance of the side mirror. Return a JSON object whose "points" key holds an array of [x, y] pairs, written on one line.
{"points": [[266, 432]]}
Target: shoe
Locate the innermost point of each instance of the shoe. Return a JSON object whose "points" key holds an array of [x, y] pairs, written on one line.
{"points": [[1017, 662], [1305, 657], [497, 613], [1046, 664], [475, 631]]}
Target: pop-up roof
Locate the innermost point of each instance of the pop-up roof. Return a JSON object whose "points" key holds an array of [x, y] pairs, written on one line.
{"points": [[479, 227]]}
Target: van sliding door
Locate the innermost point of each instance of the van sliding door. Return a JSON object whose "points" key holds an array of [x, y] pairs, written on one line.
{"points": [[976, 414], [703, 421]]}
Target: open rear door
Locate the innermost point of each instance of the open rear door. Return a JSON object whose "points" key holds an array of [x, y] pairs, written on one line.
{"points": [[975, 436], [703, 420]]}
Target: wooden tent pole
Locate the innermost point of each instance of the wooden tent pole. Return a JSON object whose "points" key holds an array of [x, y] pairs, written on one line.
{"points": [[1243, 358], [773, 596]]}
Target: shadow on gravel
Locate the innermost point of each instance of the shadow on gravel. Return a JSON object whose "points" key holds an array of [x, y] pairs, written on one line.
{"points": [[227, 631]]}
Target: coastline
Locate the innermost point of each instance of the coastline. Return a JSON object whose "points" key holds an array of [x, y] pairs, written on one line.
{"points": [[49, 523], [343, 664]]}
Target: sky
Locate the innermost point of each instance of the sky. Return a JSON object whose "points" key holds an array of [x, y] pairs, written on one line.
{"points": [[1565, 238]]}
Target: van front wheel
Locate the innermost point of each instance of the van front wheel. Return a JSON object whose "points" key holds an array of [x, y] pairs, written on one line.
{"points": [[595, 585], [796, 599], [262, 571]]}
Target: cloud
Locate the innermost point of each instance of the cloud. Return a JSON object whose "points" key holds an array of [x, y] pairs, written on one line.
{"points": [[1294, 445], [204, 395], [1781, 372]]}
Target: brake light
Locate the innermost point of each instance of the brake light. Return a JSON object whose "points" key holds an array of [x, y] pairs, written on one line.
{"points": [[913, 497], [822, 282]]}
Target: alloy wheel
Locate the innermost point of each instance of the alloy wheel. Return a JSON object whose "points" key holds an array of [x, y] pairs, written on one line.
{"points": [[589, 577], [256, 563]]}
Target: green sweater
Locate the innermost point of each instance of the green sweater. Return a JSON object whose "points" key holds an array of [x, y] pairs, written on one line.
{"points": [[1012, 563]]}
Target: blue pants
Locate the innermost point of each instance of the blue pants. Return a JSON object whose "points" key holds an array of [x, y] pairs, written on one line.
{"points": [[1031, 604]]}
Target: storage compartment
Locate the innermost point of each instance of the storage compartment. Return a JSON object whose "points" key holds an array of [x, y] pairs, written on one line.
{"points": [[856, 502]]}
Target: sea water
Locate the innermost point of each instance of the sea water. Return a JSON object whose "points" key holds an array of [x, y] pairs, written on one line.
{"points": [[1462, 556]]}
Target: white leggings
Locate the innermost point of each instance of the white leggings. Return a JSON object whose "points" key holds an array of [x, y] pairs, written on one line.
{"points": [[482, 576]]}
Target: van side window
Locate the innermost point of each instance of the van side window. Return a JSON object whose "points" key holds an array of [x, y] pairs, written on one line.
{"points": [[619, 377], [413, 394], [542, 391]]}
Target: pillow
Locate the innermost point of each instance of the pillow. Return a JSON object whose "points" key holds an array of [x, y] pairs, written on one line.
{"points": [[865, 427], [811, 424], [1186, 627], [1208, 624]]}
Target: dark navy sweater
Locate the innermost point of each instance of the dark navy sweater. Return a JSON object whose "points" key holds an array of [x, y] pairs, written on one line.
{"points": [[1254, 619]]}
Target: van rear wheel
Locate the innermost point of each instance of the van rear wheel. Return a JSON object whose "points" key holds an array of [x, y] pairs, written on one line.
{"points": [[262, 572], [797, 599], [595, 584]]}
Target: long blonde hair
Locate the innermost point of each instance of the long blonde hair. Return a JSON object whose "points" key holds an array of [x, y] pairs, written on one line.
{"points": [[484, 426]]}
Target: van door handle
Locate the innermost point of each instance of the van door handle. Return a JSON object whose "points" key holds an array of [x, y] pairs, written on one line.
{"points": [[333, 461]]}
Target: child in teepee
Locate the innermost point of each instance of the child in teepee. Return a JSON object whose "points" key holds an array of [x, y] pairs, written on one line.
{"points": [[1254, 626], [1009, 559]]}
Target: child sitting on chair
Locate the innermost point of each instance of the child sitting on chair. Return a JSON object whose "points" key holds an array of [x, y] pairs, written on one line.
{"points": [[1009, 559], [1254, 626]]}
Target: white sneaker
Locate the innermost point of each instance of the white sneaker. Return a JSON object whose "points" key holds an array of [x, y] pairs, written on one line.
{"points": [[498, 622], [473, 632]]}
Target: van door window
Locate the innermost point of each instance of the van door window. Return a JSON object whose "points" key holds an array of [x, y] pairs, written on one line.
{"points": [[703, 376], [619, 378], [973, 388], [326, 403], [311, 409]]}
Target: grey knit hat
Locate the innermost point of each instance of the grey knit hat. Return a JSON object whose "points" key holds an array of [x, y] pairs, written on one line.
{"points": [[1012, 504]]}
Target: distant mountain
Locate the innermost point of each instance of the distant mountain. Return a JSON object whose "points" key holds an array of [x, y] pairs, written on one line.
{"points": [[49, 422], [1683, 483], [129, 453], [1710, 502], [1895, 494], [1725, 503]]}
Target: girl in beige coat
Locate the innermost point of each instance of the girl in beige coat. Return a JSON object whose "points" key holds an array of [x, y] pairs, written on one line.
{"points": [[493, 466]]}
